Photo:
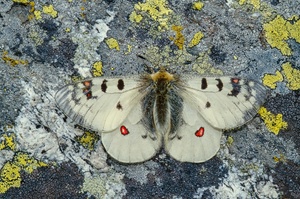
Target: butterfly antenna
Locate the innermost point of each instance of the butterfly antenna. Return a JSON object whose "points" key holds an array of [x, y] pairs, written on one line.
{"points": [[147, 66]]}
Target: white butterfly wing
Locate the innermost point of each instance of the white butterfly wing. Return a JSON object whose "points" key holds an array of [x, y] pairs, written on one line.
{"points": [[196, 140], [99, 104], [132, 142], [112, 107], [224, 102]]}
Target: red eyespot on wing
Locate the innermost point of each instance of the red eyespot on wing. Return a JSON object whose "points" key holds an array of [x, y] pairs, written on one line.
{"points": [[124, 130], [235, 80], [88, 93], [87, 84], [200, 132]]}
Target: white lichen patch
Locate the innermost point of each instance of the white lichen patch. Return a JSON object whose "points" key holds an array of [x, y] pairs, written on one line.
{"points": [[238, 183], [33, 133], [88, 40], [42, 132], [104, 185], [140, 173], [5, 155]]}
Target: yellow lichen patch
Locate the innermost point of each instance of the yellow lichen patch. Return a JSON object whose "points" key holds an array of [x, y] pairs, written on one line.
{"points": [[255, 3], [68, 30], [270, 80], [179, 38], [281, 158], [276, 34], [196, 39], [129, 47], [242, 2], [294, 28], [292, 76], [8, 141], [156, 9], [273, 122], [27, 163], [9, 177], [21, 1], [32, 4], [134, 17], [112, 43], [37, 14], [198, 5], [88, 140], [229, 141], [97, 69], [50, 11], [10, 172], [76, 78], [279, 30], [11, 61]]}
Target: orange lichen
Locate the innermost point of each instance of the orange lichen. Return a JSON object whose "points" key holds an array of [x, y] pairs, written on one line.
{"points": [[11, 61], [179, 38]]}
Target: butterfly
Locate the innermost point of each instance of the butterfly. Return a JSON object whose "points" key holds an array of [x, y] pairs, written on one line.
{"points": [[186, 115]]}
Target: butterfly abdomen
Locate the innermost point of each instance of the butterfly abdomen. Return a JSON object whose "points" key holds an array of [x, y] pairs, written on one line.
{"points": [[155, 106], [162, 100], [162, 105]]}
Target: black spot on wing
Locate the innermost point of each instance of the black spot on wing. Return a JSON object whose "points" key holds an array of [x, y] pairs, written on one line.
{"points": [[203, 83], [220, 84], [119, 106], [104, 86], [207, 105], [121, 84], [144, 136], [179, 137]]}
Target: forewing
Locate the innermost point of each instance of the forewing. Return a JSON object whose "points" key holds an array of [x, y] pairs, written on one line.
{"points": [[100, 104], [224, 102], [195, 140], [131, 142]]}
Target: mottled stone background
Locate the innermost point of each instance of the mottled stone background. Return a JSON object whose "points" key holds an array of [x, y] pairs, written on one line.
{"points": [[47, 44]]}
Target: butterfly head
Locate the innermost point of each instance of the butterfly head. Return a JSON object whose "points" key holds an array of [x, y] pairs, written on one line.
{"points": [[162, 74]]}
